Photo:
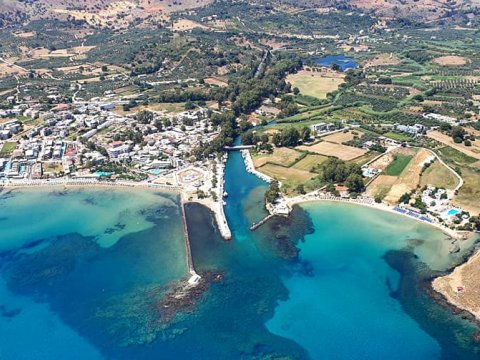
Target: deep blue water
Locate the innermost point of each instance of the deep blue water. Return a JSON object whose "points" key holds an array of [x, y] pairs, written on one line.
{"points": [[344, 62], [330, 282]]}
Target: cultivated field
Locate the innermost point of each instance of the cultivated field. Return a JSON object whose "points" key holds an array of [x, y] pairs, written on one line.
{"points": [[451, 60], [409, 178], [289, 176], [341, 137], [383, 59], [381, 186], [331, 149], [314, 83], [281, 156], [473, 151], [310, 161]]}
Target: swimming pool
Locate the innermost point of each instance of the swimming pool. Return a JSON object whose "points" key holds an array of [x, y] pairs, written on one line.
{"points": [[452, 212]]}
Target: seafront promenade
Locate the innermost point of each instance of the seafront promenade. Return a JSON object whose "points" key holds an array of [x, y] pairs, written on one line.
{"points": [[87, 183]]}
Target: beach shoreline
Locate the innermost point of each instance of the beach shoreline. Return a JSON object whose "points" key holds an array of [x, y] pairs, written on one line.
{"points": [[369, 202]]}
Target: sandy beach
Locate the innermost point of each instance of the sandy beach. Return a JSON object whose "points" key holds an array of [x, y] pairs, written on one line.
{"points": [[460, 288], [369, 202]]}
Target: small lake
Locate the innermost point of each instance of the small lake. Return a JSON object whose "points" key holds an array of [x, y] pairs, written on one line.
{"points": [[344, 62]]}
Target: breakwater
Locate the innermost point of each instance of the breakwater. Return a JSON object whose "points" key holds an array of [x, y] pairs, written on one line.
{"points": [[194, 278], [247, 158]]}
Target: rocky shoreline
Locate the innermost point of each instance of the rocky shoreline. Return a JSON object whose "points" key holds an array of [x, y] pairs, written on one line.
{"points": [[458, 287]]}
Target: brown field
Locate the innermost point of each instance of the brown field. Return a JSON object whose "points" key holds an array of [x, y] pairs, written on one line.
{"points": [[315, 84], [289, 176], [382, 162], [341, 137], [383, 59], [308, 162], [473, 151], [25, 34], [440, 176], [8, 70], [185, 24], [331, 149], [280, 156], [409, 179], [381, 186], [218, 81], [451, 60], [40, 53]]}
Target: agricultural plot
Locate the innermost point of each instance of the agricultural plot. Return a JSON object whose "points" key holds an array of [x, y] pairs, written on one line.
{"points": [[409, 178], [398, 165], [309, 162], [381, 186], [340, 151], [341, 137], [472, 151], [281, 156], [451, 60], [291, 177]]}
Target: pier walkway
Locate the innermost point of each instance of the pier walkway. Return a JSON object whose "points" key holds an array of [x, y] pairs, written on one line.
{"points": [[261, 222]]}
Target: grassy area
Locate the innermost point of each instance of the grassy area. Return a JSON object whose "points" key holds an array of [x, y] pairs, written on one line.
{"points": [[53, 167], [8, 148], [310, 161], [452, 155], [281, 156], [468, 197], [314, 85], [440, 176], [309, 114], [397, 136], [365, 158], [290, 177], [398, 165]]}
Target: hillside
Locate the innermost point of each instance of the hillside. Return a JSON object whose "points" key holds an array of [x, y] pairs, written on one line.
{"points": [[114, 13], [412, 9]]}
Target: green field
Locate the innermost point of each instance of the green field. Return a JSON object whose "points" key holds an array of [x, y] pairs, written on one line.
{"points": [[8, 148], [310, 161], [397, 136], [452, 155], [398, 165]]}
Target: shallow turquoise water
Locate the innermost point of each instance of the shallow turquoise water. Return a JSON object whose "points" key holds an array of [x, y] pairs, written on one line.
{"points": [[346, 298], [85, 278]]}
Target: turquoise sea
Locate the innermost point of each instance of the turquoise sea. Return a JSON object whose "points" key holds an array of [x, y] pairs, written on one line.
{"points": [[84, 274]]}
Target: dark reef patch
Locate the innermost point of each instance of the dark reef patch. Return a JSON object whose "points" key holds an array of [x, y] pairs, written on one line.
{"points": [[455, 334]]}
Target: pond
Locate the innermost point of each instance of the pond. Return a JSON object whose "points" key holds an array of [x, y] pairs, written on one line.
{"points": [[344, 62]]}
